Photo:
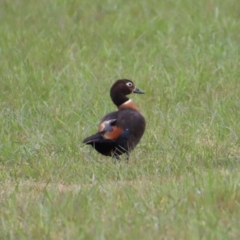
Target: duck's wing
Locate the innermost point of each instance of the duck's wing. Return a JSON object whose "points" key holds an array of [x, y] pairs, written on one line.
{"points": [[107, 132]]}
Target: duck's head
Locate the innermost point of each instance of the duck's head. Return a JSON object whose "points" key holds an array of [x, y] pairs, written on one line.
{"points": [[120, 89]]}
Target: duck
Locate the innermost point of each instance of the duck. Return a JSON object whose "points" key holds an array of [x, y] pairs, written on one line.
{"points": [[120, 131]]}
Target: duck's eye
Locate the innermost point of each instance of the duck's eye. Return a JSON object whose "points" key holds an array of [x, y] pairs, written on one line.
{"points": [[129, 84]]}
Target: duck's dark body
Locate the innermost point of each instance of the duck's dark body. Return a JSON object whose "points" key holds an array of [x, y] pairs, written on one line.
{"points": [[120, 131], [133, 125]]}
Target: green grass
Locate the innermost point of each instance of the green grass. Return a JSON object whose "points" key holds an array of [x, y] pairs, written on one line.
{"points": [[58, 60]]}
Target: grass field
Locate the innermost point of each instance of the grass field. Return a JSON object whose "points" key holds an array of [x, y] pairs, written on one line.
{"points": [[58, 60]]}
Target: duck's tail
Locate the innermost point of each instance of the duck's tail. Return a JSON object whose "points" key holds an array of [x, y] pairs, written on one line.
{"points": [[92, 139]]}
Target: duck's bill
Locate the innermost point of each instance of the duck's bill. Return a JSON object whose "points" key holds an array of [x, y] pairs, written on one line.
{"points": [[137, 90]]}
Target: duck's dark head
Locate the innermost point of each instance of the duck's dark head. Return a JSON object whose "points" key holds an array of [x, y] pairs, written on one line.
{"points": [[119, 91]]}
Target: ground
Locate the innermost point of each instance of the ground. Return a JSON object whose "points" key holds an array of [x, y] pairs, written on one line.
{"points": [[58, 62]]}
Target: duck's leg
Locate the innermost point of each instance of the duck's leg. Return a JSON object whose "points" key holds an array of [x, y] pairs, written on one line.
{"points": [[127, 157], [117, 157]]}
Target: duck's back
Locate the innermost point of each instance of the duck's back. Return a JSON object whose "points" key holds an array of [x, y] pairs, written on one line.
{"points": [[133, 121]]}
